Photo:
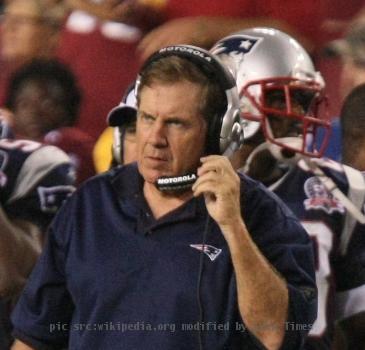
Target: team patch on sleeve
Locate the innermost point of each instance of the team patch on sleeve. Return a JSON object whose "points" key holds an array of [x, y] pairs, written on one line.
{"points": [[319, 198]]}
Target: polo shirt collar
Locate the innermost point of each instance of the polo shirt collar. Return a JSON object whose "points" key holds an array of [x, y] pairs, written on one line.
{"points": [[128, 184]]}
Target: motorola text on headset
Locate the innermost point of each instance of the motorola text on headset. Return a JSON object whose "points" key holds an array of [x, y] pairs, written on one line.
{"points": [[225, 134]]}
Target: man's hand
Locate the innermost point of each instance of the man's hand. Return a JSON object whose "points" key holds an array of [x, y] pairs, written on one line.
{"points": [[220, 185]]}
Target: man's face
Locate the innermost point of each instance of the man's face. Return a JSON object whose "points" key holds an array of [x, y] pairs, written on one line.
{"points": [[352, 75], [171, 133], [24, 34], [284, 126], [38, 108]]}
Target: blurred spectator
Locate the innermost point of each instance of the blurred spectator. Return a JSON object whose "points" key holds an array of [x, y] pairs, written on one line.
{"points": [[45, 99], [352, 121], [29, 29], [351, 51]]}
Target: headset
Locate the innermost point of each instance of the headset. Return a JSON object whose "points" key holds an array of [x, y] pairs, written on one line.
{"points": [[225, 133]]}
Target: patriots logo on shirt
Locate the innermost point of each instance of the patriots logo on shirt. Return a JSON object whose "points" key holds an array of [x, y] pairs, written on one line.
{"points": [[239, 44], [320, 198], [209, 250]]}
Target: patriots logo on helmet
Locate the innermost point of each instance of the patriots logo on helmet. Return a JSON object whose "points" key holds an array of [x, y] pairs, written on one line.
{"points": [[238, 44], [209, 250]]}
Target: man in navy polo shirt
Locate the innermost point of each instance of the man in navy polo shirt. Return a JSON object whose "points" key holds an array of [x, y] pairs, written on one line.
{"points": [[143, 258]]}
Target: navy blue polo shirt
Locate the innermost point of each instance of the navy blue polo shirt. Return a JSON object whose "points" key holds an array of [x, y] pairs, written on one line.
{"points": [[113, 277]]}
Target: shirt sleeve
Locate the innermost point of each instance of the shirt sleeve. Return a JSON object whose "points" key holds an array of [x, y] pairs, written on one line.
{"points": [[294, 260], [284, 242]]}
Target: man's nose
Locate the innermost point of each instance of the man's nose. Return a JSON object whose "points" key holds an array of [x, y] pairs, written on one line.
{"points": [[158, 134]]}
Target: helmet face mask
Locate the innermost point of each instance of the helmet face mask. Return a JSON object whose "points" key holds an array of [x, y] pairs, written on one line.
{"points": [[280, 91], [287, 108]]}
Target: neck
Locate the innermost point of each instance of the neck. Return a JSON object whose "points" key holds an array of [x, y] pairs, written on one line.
{"points": [[262, 167], [162, 203]]}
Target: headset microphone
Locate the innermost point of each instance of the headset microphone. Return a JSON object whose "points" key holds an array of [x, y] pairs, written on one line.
{"points": [[176, 183]]}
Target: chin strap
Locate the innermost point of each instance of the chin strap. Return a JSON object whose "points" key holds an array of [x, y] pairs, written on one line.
{"points": [[276, 152]]}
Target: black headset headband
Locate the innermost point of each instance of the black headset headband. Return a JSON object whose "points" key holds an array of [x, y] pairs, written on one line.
{"points": [[202, 58]]}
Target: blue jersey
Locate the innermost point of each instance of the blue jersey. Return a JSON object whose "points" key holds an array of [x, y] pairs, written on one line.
{"points": [[340, 253], [113, 277], [34, 180]]}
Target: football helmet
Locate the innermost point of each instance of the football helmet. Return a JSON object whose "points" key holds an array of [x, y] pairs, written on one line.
{"points": [[274, 75]]}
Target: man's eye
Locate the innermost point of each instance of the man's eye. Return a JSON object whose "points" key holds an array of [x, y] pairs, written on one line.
{"points": [[176, 123], [147, 118]]}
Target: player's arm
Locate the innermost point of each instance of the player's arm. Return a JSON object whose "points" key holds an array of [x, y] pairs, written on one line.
{"points": [[262, 293], [19, 250]]}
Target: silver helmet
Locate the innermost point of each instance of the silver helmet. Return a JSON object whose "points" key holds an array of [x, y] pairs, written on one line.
{"points": [[266, 61]]}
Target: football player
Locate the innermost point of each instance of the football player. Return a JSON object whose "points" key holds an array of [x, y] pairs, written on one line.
{"points": [[34, 181], [280, 96]]}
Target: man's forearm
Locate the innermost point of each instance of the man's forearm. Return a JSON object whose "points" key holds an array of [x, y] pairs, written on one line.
{"points": [[262, 293]]}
